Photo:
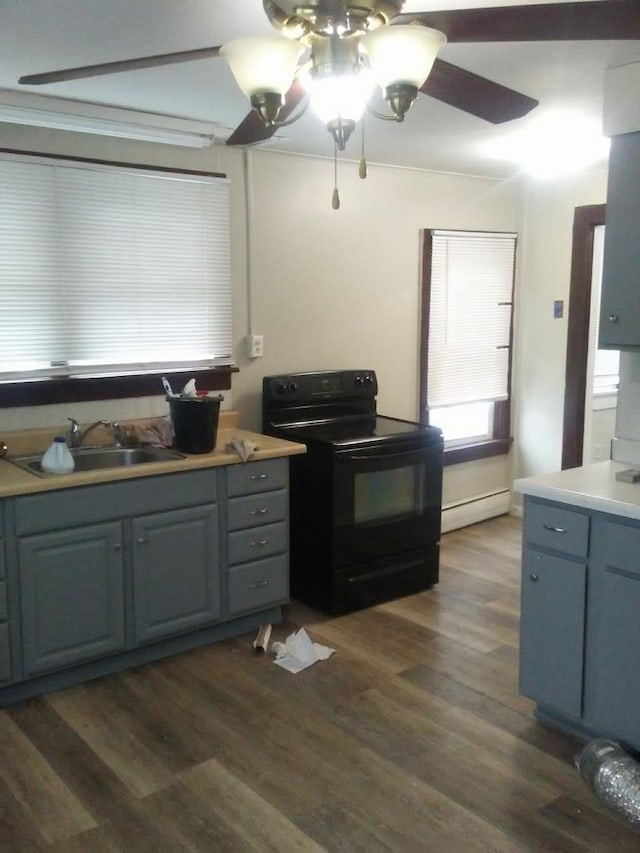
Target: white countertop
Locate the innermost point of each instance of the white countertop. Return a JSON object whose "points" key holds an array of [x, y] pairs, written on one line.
{"points": [[590, 486]]}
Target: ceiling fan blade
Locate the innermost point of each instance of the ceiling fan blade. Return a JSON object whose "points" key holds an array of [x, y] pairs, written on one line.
{"points": [[474, 94], [578, 21], [118, 66], [252, 129]]}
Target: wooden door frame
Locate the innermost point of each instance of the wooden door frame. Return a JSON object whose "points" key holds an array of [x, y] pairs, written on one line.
{"points": [[585, 220]]}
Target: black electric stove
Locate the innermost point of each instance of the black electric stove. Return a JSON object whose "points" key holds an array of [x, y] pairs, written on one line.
{"points": [[365, 498]]}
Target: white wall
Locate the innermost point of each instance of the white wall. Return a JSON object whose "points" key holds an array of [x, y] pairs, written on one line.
{"points": [[546, 224], [327, 288]]}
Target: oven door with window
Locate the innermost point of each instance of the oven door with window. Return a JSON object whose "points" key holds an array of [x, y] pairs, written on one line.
{"points": [[386, 500]]}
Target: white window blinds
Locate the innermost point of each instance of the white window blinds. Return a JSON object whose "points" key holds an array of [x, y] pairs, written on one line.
{"points": [[109, 270], [469, 317]]}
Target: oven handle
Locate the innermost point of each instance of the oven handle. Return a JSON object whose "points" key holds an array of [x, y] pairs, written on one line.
{"points": [[365, 456]]}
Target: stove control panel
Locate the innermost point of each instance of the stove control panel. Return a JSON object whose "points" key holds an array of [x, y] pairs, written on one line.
{"points": [[321, 385]]}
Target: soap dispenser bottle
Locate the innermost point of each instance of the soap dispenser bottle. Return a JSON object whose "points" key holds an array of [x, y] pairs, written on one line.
{"points": [[58, 459]]}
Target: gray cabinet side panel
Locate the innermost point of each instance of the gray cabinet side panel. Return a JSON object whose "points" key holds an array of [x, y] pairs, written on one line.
{"points": [[5, 653]]}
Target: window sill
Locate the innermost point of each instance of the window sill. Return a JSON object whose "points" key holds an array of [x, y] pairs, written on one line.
{"points": [[477, 450], [74, 390]]}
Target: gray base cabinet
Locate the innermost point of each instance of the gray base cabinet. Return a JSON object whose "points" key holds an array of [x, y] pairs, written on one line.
{"points": [[176, 572], [71, 592], [580, 612], [100, 577], [5, 640], [552, 630], [612, 682]]}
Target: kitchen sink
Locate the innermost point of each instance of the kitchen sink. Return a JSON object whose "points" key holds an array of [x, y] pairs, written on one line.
{"points": [[97, 458]]}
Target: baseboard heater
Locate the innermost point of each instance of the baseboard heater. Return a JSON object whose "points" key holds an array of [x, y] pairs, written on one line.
{"points": [[475, 509]]}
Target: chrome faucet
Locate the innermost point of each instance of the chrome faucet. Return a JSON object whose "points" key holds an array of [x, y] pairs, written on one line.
{"points": [[77, 436], [117, 433]]}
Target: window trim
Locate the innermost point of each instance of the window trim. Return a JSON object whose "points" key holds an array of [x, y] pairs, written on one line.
{"points": [[585, 219], [88, 388], [500, 443]]}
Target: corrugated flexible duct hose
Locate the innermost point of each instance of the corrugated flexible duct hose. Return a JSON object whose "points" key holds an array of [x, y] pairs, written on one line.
{"points": [[614, 776]]}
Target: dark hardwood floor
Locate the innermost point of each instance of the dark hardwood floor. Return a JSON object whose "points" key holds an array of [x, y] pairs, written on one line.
{"points": [[412, 737]]}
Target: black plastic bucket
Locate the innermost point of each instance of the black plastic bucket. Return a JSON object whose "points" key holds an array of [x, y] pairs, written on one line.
{"points": [[195, 423]]}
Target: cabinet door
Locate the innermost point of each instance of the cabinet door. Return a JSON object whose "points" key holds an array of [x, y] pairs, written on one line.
{"points": [[612, 699], [552, 631], [620, 304], [176, 571], [72, 604]]}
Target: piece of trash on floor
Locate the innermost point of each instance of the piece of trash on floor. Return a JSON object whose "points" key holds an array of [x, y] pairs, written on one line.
{"points": [[261, 642], [298, 652]]}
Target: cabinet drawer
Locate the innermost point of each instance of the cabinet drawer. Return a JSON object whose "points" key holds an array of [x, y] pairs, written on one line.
{"points": [[619, 547], [550, 526], [256, 585], [105, 502], [258, 542], [5, 653], [4, 612], [257, 509], [249, 478], [2, 566]]}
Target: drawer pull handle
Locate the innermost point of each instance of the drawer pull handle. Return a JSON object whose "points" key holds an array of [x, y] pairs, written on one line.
{"points": [[117, 546], [141, 540], [613, 318], [553, 529], [259, 584], [258, 476], [259, 542], [259, 511], [533, 577]]}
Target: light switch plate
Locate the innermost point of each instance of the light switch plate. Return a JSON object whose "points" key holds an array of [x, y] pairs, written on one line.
{"points": [[255, 346]]}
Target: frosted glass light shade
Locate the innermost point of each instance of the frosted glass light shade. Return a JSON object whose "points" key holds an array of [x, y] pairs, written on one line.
{"points": [[402, 54], [340, 97], [262, 63]]}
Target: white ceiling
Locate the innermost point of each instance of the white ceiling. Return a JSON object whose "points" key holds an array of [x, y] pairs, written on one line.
{"points": [[44, 35]]}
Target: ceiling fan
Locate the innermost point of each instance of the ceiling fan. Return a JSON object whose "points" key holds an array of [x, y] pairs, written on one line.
{"points": [[347, 37]]}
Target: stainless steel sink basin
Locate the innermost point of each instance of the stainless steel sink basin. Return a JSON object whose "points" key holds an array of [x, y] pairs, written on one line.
{"points": [[96, 458]]}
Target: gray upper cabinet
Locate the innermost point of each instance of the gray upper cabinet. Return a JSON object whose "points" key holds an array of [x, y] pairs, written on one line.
{"points": [[620, 303], [72, 596], [176, 571]]}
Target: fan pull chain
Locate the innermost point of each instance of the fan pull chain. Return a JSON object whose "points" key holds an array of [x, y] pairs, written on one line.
{"points": [[362, 167], [335, 198]]}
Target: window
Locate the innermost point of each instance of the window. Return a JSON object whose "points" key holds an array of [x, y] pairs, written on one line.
{"points": [[467, 308], [111, 271]]}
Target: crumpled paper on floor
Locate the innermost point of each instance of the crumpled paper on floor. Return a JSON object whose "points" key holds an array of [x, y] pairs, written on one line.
{"points": [[242, 446], [299, 652]]}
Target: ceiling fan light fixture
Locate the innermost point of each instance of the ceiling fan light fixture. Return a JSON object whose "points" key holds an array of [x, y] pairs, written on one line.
{"points": [[339, 100], [401, 59], [264, 68]]}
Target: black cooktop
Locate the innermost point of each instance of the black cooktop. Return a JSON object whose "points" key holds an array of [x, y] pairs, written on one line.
{"points": [[359, 430]]}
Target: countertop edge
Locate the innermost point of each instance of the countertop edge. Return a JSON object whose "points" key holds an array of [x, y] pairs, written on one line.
{"points": [[15, 482], [589, 487]]}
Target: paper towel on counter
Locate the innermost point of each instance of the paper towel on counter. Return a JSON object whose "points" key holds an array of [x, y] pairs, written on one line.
{"points": [[298, 652], [243, 447]]}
